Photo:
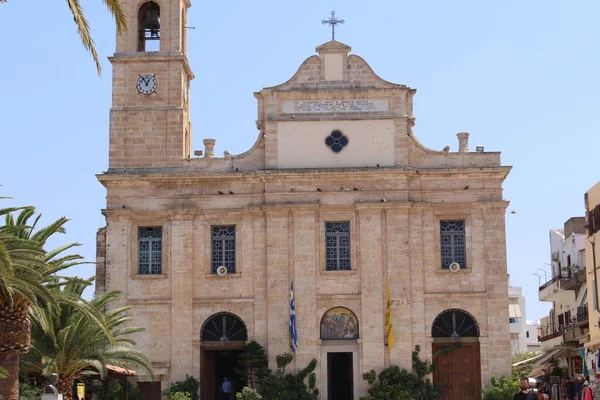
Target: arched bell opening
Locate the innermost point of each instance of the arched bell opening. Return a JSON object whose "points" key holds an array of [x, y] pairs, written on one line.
{"points": [[149, 27]]}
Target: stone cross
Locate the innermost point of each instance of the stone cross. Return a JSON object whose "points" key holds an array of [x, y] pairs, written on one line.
{"points": [[333, 21]]}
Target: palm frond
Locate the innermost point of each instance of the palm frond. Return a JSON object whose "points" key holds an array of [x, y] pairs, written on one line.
{"points": [[83, 28]]}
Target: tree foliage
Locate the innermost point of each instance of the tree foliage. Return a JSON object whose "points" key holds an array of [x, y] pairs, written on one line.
{"points": [[502, 389], [28, 279], [248, 394], [290, 386], [394, 383], [252, 364], [189, 386], [67, 343]]}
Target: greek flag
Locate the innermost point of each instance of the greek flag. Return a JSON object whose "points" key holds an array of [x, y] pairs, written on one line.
{"points": [[293, 332]]}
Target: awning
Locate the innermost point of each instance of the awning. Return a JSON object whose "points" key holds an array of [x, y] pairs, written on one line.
{"points": [[119, 370], [536, 372], [514, 310], [548, 356], [528, 361]]}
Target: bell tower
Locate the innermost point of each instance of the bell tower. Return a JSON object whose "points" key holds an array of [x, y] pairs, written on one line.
{"points": [[149, 117]]}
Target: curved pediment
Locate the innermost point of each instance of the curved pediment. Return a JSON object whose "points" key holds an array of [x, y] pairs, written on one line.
{"points": [[332, 68]]}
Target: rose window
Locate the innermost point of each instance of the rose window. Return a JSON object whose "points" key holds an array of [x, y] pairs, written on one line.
{"points": [[336, 141]]}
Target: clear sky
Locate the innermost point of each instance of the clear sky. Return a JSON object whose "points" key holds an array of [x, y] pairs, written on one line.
{"points": [[520, 76]]}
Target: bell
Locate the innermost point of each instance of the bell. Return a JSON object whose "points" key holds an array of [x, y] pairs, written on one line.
{"points": [[152, 22]]}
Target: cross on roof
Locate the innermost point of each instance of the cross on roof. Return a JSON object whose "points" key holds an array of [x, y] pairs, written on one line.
{"points": [[333, 21]]}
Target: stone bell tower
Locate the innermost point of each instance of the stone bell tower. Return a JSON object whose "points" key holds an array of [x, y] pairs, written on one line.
{"points": [[149, 118]]}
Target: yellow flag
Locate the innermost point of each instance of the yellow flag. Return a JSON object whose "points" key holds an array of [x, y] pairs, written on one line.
{"points": [[388, 318]]}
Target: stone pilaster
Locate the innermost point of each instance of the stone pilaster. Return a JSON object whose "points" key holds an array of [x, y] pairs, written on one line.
{"points": [[181, 256]]}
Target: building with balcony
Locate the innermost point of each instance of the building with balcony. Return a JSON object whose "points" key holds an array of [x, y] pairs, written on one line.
{"points": [[516, 319], [592, 212], [565, 330]]}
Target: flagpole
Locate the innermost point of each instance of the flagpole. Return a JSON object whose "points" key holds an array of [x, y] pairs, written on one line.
{"points": [[293, 328]]}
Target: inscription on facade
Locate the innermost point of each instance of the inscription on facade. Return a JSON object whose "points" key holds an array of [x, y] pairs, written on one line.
{"points": [[334, 106]]}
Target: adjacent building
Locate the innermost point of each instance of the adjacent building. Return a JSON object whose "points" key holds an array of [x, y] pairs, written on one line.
{"points": [[566, 329], [592, 215], [335, 199], [524, 335]]}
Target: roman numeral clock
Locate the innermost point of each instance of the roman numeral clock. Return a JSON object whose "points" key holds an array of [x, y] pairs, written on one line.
{"points": [[147, 84]]}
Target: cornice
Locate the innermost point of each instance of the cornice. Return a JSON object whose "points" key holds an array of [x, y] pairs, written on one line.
{"points": [[186, 176]]}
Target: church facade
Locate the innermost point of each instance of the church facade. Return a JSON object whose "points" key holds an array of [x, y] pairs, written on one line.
{"points": [[336, 197]]}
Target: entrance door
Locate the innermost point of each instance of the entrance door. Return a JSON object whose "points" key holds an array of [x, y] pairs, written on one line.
{"points": [[339, 376], [216, 365], [458, 371]]}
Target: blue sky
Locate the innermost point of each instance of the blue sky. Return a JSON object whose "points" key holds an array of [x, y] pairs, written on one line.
{"points": [[520, 76]]}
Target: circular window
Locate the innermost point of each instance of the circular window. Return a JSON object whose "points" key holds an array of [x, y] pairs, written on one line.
{"points": [[336, 141]]}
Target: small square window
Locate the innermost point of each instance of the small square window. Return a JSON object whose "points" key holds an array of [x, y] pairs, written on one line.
{"points": [[150, 250], [337, 246], [223, 248], [452, 243]]}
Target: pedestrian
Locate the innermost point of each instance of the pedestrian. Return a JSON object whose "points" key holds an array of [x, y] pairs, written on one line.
{"points": [[227, 389], [570, 387], [525, 393]]}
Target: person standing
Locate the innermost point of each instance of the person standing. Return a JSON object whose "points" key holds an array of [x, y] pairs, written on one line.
{"points": [[227, 389], [525, 393]]}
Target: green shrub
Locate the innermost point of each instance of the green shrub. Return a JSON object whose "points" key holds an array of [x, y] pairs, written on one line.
{"points": [[290, 386], [248, 394], [189, 386], [502, 389], [180, 396], [395, 383], [28, 390]]}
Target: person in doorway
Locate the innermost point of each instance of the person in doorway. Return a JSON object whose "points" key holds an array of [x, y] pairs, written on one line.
{"points": [[570, 387], [227, 389], [525, 393]]}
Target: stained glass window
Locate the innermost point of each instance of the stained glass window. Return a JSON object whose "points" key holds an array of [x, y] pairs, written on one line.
{"points": [[336, 141], [337, 246], [452, 243], [150, 250], [223, 248]]}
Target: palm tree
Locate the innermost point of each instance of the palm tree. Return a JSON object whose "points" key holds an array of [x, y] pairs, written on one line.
{"points": [[27, 278], [83, 28], [75, 348]]}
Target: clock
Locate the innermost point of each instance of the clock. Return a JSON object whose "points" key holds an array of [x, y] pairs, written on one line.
{"points": [[147, 84]]}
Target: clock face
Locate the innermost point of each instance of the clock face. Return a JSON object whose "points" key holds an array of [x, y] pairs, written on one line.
{"points": [[147, 84]]}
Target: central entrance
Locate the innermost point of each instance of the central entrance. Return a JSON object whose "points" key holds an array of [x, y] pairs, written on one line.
{"points": [[222, 338], [218, 365], [339, 376]]}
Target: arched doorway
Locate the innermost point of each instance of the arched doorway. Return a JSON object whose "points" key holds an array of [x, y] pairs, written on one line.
{"points": [[339, 353], [222, 339], [456, 354]]}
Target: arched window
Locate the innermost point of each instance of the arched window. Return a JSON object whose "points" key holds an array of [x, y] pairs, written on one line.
{"points": [[149, 27], [224, 327], [339, 323], [454, 324]]}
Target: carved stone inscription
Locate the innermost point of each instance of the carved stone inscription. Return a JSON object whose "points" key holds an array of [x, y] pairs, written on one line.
{"points": [[334, 106]]}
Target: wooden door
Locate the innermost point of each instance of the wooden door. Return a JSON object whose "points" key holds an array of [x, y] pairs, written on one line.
{"points": [[207, 385], [458, 372]]}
